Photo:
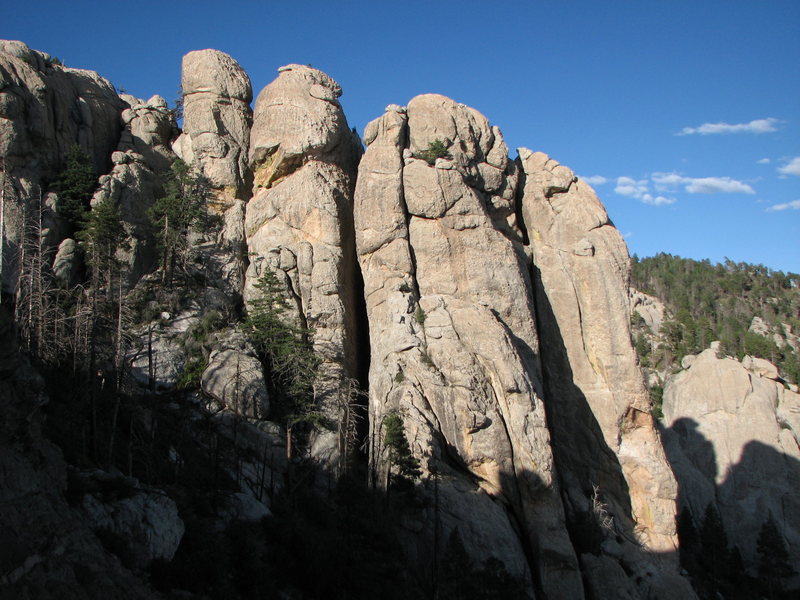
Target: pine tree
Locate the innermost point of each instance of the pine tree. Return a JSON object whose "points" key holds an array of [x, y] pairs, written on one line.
{"points": [[773, 558], [75, 185], [286, 352], [714, 543], [402, 463], [182, 207], [688, 539]]}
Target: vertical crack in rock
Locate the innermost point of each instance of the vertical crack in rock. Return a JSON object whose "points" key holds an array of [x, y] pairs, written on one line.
{"points": [[299, 224], [605, 441], [469, 390]]}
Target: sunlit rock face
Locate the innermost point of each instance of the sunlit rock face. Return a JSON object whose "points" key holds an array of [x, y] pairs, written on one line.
{"points": [[216, 121], [298, 224], [599, 401], [454, 348]]}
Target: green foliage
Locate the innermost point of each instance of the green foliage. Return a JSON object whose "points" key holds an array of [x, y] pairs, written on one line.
{"points": [[420, 316], [75, 185], [285, 350], [657, 401], [436, 149], [182, 207], [402, 462], [103, 234], [197, 348], [192, 373], [718, 302]]}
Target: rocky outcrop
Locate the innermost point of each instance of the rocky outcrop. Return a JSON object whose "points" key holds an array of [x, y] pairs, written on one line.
{"points": [[606, 443], [235, 377], [216, 122], [215, 140], [299, 221], [45, 109], [453, 342], [123, 511], [48, 549], [649, 308], [733, 438], [136, 179]]}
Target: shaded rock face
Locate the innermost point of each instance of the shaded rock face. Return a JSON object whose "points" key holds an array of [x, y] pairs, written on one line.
{"points": [[48, 549], [147, 520], [299, 221], [44, 110], [454, 349], [599, 409], [235, 377], [136, 180], [733, 438]]}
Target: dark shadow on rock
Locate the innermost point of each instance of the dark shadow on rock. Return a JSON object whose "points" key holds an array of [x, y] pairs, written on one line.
{"points": [[720, 525], [582, 456]]}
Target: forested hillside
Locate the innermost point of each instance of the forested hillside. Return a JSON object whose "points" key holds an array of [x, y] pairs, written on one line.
{"points": [[711, 302]]}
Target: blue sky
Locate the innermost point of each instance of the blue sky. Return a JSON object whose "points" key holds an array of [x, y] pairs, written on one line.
{"points": [[690, 111]]}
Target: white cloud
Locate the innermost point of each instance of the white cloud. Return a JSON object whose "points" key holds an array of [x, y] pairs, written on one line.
{"points": [[718, 185], [627, 186], [763, 161], [666, 182], [755, 126], [791, 168], [639, 189], [594, 179], [658, 200], [794, 205]]}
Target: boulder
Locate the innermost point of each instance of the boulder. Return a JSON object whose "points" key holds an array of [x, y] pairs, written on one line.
{"points": [[67, 263], [236, 380], [143, 521]]}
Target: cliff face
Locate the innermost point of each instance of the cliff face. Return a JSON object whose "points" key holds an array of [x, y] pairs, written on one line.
{"points": [[606, 442], [298, 225], [453, 340], [489, 298]]}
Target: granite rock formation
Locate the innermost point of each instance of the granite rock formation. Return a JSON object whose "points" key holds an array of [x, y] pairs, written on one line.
{"points": [[453, 340], [45, 109], [298, 223], [733, 438], [606, 443]]}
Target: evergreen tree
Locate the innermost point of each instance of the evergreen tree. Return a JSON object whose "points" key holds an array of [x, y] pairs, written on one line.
{"points": [[103, 235], [182, 207], [688, 539], [286, 352], [773, 558], [75, 185], [714, 543], [402, 463]]}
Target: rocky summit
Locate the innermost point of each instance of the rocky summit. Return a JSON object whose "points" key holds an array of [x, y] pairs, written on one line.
{"points": [[249, 354]]}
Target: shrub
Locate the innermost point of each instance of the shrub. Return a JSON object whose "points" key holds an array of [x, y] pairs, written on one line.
{"points": [[436, 149]]}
